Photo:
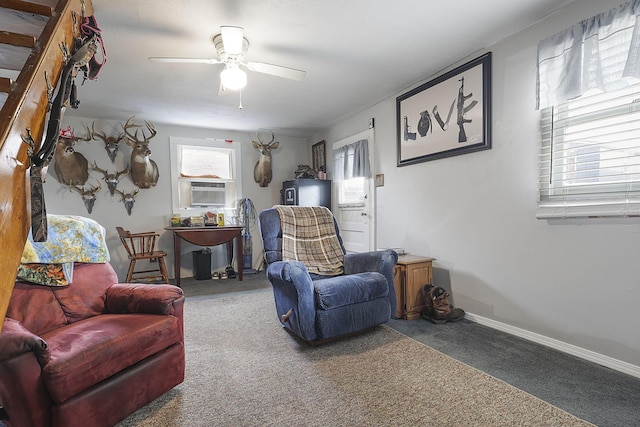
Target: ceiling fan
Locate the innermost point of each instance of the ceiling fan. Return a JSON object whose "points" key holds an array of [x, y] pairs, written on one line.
{"points": [[232, 46]]}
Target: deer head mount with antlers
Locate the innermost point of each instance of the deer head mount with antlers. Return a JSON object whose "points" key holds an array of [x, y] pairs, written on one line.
{"points": [[70, 166], [128, 199], [110, 142], [262, 172], [88, 196], [112, 179], [142, 170]]}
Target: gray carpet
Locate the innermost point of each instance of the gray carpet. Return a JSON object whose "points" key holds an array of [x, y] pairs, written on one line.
{"points": [[244, 370], [592, 392]]}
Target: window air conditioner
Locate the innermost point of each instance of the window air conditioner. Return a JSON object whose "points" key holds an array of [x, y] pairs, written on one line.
{"points": [[205, 194]]}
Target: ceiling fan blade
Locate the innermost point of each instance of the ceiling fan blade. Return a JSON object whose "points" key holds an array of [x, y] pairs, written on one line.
{"points": [[185, 60], [276, 70], [232, 38]]}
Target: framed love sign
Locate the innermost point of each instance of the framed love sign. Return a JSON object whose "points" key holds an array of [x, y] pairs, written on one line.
{"points": [[447, 116]]}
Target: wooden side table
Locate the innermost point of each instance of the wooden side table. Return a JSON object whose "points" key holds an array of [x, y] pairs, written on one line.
{"points": [[411, 273], [207, 236]]}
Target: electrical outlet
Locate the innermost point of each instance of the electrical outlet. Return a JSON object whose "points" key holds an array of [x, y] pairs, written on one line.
{"points": [[371, 123]]}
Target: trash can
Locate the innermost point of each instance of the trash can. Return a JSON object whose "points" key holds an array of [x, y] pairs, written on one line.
{"points": [[202, 264]]}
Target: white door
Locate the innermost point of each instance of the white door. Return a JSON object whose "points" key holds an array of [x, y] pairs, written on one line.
{"points": [[354, 203]]}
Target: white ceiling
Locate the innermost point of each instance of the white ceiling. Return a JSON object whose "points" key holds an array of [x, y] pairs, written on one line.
{"points": [[355, 53]]}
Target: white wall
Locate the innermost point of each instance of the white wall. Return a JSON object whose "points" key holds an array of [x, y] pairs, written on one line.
{"points": [[152, 209], [569, 282]]}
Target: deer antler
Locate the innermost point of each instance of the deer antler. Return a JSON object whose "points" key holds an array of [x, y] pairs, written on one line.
{"points": [[125, 128], [124, 196], [103, 136], [88, 196], [110, 142], [97, 169], [152, 130], [95, 190], [134, 137], [95, 133], [84, 192], [273, 136], [78, 189], [89, 136], [78, 138], [122, 172]]}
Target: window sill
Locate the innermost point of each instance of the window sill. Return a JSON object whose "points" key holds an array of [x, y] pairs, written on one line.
{"points": [[592, 209]]}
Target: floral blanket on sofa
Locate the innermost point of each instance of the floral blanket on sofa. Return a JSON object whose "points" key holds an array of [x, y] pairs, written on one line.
{"points": [[71, 239]]}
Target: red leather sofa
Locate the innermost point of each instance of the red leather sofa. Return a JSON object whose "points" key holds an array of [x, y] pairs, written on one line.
{"points": [[91, 353]]}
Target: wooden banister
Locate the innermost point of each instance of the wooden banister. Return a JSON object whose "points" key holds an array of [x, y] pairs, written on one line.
{"points": [[16, 39], [25, 6], [26, 108], [5, 84]]}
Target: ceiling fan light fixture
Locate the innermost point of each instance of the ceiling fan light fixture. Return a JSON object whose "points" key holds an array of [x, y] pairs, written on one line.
{"points": [[232, 39], [233, 78]]}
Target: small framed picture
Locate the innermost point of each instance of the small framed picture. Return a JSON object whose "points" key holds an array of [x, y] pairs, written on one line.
{"points": [[318, 156]]}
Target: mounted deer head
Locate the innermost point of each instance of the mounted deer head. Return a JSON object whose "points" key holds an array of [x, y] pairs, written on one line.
{"points": [[128, 199], [110, 142], [112, 179], [142, 170], [88, 196], [70, 166], [262, 172]]}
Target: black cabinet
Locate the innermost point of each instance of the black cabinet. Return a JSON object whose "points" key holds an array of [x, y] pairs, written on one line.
{"points": [[306, 192]]}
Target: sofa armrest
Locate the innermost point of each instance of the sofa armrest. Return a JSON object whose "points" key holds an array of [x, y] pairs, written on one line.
{"points": [[293, 290], [381, 261], [143, 298], [15, 339]]}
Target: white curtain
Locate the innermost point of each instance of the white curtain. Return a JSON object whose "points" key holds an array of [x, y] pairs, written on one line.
{"points": [[602, 52], [351, 161]]}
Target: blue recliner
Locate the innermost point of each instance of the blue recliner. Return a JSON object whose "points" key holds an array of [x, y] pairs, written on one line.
{"points": [[318, 308]]}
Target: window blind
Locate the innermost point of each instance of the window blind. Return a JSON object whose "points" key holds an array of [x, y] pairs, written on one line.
{"points": [[590, 151], [204, 162], [600, 52]]}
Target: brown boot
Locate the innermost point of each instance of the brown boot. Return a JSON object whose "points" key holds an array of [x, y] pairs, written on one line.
{"points": [[443, 311], [428, 302]]}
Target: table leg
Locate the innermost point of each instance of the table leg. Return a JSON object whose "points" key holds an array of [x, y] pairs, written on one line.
{"points": [[229, 246], [239, 255], [176, 255]]}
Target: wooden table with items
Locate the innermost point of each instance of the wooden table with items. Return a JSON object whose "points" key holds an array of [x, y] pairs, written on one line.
{"points": [[207, 236], [410, 274]]}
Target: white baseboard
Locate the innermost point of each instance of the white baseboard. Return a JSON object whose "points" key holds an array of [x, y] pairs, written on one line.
{"points": [[564, 347]]}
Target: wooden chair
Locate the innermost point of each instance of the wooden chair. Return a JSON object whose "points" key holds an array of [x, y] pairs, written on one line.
{"points": [[141, 246]]}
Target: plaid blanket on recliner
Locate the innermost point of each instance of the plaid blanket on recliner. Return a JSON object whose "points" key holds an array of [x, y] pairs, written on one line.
{"points": [[309, 236]]}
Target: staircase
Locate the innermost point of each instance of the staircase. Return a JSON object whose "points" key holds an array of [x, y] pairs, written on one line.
{"points": [[31, 33]]}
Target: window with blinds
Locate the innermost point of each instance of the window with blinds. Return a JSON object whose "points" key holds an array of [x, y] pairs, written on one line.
{"points": [[203, 174], [201, 162], [589, 161]]}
